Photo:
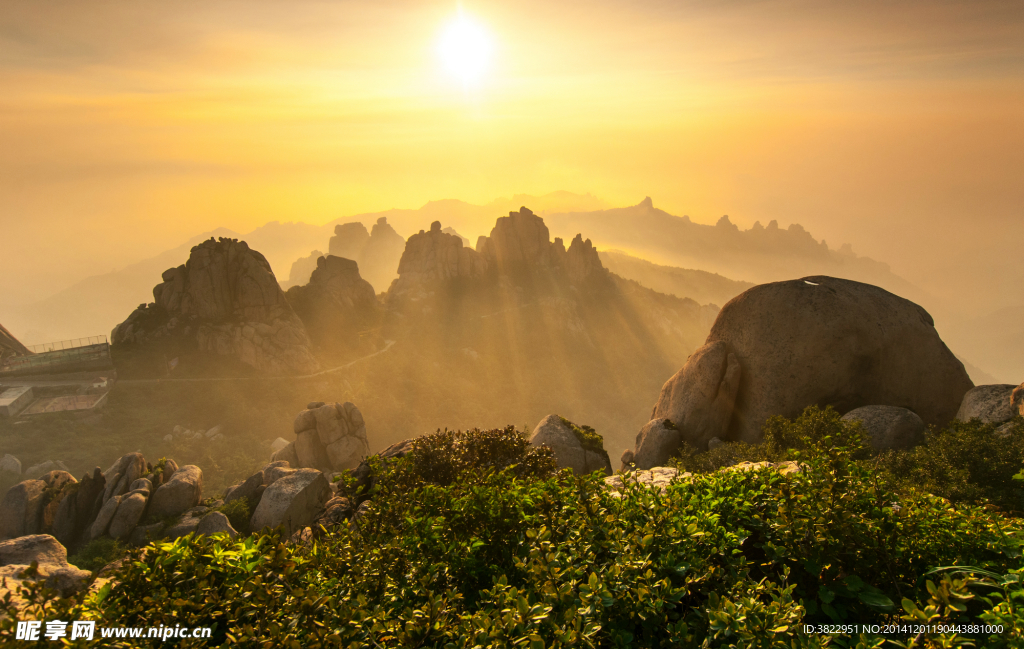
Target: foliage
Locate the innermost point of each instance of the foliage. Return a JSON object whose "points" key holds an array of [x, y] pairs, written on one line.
{"points": [[966, 462], [468, 545], [724, 455], [446, 457], [97, 553], [589, 438], [237, 512]]}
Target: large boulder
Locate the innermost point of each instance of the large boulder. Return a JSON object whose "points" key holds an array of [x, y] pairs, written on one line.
{"points": [[656, 442], [991, 404], [182, 492], [21, 509], [106, 514], [888, 427], [78, 509], [223, 302], [120, 476], [817, 341], [557, 433], [216, 523], [129, 513], [52, 560], [699, 399], [10, 465], [328, 437], [293, 501]]}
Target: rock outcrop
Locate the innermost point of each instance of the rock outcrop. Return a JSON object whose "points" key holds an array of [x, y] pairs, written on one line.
{"points": [[302, 269], [336, 303], [699, 400], [52, 560], [328, 437], [293, 501], [571, 452], [992, 404], [777, 348], [225, 301], [377, 252], [435, 255], [888, 427], [180, 493]]}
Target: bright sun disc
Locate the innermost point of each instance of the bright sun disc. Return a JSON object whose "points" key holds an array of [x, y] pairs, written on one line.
{"points": [[465, 49]]}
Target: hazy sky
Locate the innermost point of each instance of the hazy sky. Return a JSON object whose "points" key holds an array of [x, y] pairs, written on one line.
{"points": [[897, 126]]}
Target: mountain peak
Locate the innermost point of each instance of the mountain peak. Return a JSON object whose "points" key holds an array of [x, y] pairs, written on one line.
{"points": [[647, 203]]}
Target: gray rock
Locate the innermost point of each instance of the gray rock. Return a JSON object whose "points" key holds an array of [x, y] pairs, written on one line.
{"points": [[10, 465], [183, 491], [58, 485], [989, 403], [213, 432], [273, 474], [714, 443], [36, 547], [102, 522], [77, 510], [141, 483], [627, 458], [129, 513], [311, 452], [68, 580], [568, 451], [41, 469], [216, 523], [247, 489], [359, 514], [699, 399], [293, 501], [128, 468], [21, 509], [888, 426], [305, 420], [278, 444], [183, 527], [656, 442], [827, 341], [287, 455]]}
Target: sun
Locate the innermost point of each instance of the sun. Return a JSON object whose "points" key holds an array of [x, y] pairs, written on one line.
{"points": [[465, 49]]}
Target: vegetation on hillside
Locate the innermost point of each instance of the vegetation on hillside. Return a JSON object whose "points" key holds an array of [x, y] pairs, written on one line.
{"points": [[485, 545]]}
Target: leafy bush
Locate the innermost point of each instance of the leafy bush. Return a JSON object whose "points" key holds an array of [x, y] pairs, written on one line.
{"points": [[97, 553], [457, 552], [445, 457], [966, 462], [589, 438], [237, 512]]}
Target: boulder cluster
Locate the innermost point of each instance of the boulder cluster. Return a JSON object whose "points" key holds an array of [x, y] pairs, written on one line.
{"points": [[777, 348], [223, 301], [328, 438]]}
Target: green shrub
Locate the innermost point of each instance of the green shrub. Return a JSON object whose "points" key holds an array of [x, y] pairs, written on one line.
{"points": [[237, 512], [445, 457], [98, 553], [588, 438], [966, 462], [724, 455], [460, 553]]}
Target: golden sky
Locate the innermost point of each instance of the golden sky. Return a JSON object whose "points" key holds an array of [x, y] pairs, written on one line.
{"points": [[126, 128]]}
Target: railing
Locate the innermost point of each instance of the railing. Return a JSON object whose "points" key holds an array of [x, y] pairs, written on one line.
{"points": [[67, 359], [67, 344]]}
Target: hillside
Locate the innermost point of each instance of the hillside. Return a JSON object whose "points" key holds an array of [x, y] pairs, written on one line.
{"points": [[699, 285]]}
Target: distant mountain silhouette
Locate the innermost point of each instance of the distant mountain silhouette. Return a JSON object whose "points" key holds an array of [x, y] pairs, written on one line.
{"points": [[760, 254]]}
